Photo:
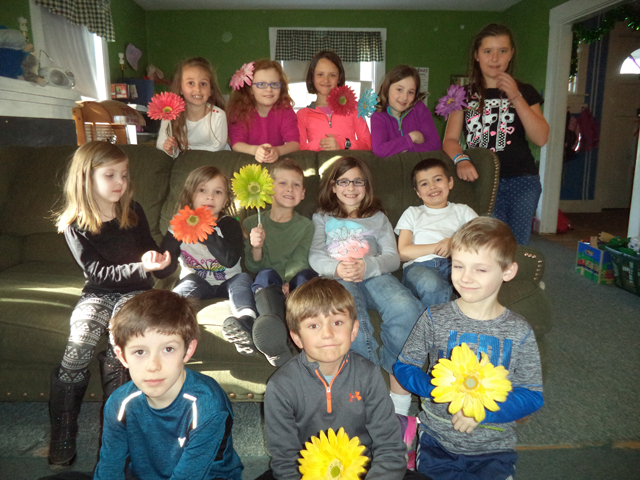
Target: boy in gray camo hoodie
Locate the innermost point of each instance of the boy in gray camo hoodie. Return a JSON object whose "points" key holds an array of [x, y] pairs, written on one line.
{"points": [[450, 446]]}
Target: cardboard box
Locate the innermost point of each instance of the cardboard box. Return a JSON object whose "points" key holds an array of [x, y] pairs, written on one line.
{"points": [[595, 264]]}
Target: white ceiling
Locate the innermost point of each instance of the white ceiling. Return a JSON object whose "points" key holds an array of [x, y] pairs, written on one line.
{"points": [[467, 5]]}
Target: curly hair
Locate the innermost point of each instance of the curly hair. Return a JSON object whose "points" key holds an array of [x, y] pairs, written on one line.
{"points": [[242, 103], [328, 202], [179, 125], [395, 75]]}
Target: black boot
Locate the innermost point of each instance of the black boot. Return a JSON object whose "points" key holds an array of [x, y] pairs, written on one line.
{"points": [[112, 373], [64, 407], [238, 330], [270, 333]]}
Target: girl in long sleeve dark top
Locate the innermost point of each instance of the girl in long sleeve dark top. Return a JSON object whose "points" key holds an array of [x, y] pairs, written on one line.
{"points": [[211, 268], [108, 235]]}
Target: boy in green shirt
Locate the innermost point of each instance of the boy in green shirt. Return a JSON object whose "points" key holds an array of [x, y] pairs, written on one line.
{"points": [[278, 251]]}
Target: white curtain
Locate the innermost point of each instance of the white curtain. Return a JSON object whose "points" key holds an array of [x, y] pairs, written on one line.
{"points": [[72, 48]]}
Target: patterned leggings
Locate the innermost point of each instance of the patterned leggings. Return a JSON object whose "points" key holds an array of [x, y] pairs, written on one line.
{"points": [[89, 321]]}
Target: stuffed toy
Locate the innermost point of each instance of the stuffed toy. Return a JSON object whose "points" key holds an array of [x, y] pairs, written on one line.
{"points": [[17, 58]]}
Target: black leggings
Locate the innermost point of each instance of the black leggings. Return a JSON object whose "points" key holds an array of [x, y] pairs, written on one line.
{"points": [[89, 322]]}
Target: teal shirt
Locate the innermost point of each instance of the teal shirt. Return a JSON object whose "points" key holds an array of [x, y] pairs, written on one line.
{"points": [[286, 245]]}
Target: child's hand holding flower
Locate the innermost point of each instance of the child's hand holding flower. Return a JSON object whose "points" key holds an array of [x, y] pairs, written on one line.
{"points": [[462, 423]]}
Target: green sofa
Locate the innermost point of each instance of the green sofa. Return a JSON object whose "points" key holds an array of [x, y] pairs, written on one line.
{"points": [[40, 282]]}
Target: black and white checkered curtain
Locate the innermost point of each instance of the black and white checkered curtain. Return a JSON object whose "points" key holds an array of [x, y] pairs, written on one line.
{"points": [[302, 45], [94, 14]]}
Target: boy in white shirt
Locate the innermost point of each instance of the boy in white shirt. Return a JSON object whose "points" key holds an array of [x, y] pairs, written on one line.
{"points": [[425, 232]]}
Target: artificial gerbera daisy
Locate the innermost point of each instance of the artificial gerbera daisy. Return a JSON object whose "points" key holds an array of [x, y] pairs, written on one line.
{"points": [[243, 75], [332, 457], [342, 100], [367, 103], [193, 226], [253, 187], [165, 106], [455, 99], [469, 384]]}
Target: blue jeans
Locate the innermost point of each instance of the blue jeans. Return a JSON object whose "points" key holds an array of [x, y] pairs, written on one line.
{"points": [[516, 204], [440, 464], [237, 289], [399, 310], [430, 280], [269, 276]]}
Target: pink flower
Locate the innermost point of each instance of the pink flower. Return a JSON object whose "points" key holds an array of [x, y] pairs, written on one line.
{"points": [[243, 75], [165, 106], [455, 99], [342, 100]]}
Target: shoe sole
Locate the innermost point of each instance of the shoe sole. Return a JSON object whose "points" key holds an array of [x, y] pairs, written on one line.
{"points": [[270, 337], [234, 332]]}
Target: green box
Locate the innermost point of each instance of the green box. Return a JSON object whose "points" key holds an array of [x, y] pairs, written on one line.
{"points": [[594, 264]]}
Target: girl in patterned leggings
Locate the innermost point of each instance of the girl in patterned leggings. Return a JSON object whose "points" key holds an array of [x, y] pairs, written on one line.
{"points": [[108, 235]]}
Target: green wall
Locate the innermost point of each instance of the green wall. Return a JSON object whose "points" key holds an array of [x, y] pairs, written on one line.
{"points": [[419, 38], [11, 10], [129, 23]]}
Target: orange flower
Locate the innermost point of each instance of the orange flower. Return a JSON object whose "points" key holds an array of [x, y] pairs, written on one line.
{"points": [[193, 226]]}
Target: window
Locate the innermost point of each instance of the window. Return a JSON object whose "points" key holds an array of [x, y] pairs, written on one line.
{"points": [[631, 65], [301, 44]]}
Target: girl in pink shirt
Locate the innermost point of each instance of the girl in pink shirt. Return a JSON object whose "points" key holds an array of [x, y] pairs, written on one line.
{"points": [[261, 117], [320, 128]]}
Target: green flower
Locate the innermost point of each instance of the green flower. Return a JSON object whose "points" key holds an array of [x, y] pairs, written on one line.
{"points": [[253, 186]]}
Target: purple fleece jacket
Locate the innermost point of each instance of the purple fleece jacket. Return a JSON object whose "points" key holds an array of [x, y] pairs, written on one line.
{"points": [[390, 136]]}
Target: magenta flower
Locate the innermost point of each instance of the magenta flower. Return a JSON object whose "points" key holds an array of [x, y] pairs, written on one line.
{"points": [[165, 106], [243, 75], [455, 99]]}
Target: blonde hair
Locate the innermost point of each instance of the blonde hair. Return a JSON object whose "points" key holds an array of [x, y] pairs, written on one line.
{"points": [[490, 233], [179, 125], [286, 164], [242, 102], [318, 296], [79, 203], [202, 175]]}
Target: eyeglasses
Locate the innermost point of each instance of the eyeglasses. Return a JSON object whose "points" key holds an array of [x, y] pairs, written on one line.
{"points": [[358, 182], [274, 85]]}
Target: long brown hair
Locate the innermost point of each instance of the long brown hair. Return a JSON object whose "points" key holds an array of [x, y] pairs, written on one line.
{"points": [[395, 75], [179, 125], [477, 85], [202, 175], [79, 205], [328, 202], [242, 103]]}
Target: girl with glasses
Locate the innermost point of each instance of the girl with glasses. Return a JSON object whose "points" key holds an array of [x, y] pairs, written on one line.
{"points": [[355, 244], [262, 122]]}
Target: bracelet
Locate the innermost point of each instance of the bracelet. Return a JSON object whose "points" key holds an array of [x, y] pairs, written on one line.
{"points": [[460, 157], [512, 99]]}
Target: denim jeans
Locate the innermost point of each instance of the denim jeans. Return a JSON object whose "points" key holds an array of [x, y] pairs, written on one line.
{"points": [[399, 310], [269, 276], [237, 289], [516, 204], [430, 280]]}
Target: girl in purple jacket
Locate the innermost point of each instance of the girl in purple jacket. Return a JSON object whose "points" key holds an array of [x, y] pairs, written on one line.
{"points": [[403, 122]]}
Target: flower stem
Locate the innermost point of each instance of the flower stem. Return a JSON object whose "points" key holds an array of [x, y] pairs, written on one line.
{"points": [[497, 429], [173, 150], [259, 221]]}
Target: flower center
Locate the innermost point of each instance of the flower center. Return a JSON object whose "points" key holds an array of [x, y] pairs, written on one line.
{"points": [[193, 220], [342, 100], [167, 109], [450, 100], [471, 382], [254, 188], [334, 470]]}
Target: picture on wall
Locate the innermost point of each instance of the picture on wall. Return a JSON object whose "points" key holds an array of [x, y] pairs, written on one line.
{"points": [[461, 80]]}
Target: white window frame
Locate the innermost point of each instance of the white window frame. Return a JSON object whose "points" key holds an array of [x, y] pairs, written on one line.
{"points": [[379, 70]]}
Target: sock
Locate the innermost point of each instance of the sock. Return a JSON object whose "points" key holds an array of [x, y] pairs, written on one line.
{"points": [[401, 403], [246, 312]]}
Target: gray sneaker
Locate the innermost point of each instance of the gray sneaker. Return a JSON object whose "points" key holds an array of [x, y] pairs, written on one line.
{"points": [[238, 331]]}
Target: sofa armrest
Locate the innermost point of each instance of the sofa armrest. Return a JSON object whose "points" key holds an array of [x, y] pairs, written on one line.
{"points": [[10, 251], [530, 264]]}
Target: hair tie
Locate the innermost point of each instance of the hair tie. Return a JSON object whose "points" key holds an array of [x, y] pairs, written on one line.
{"points": [[243, 76]]}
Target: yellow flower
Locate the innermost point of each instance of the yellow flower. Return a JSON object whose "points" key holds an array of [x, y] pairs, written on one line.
{"points": [[253, 186], [332, 458], [469, 384]]}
